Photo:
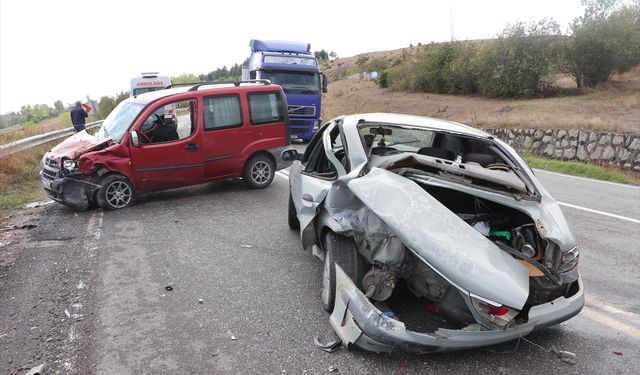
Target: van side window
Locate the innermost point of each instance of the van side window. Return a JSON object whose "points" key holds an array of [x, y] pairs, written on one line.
{"points": [[222, 112], [265, 107]]}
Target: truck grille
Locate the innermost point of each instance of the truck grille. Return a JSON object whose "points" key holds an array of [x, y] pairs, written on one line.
{"points": [[302, 110], [298, 130]]}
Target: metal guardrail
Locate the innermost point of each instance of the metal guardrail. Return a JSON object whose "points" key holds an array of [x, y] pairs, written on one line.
{"points": [[37, 140]]}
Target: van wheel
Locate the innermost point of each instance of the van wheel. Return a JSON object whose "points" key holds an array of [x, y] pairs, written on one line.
{"points": [[116, 192], [339, 250], [258, 172], [294, 223]]}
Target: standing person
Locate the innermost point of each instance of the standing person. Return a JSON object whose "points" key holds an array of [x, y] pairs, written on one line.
{"points": [[78, 116]]}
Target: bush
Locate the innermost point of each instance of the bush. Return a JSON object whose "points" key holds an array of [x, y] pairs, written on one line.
{"points": [[516, 64], [603, 41], [383, 79]]}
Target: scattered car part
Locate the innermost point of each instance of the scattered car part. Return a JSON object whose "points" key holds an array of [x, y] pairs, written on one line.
{"points": [[328, 347]]}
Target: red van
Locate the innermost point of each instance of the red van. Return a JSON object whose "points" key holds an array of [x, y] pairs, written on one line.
{"points": [[214, 131]]}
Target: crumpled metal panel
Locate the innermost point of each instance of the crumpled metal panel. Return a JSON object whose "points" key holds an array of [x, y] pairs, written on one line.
{"points": [[446, 242]]}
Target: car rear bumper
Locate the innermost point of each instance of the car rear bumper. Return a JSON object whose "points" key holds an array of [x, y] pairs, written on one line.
{"points": [[358, 322]]}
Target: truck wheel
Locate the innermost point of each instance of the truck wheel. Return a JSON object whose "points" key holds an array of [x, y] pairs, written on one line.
{"points": [[340, 250], [258, 172], [116, 192], [294, 223]]}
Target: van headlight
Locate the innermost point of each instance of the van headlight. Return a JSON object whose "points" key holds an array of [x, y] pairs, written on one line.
{"points": [[69, 165]]}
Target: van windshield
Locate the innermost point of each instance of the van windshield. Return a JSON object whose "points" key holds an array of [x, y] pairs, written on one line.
{"points": [[119, 120]]}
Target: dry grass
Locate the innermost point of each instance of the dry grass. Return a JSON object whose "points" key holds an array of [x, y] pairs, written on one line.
{"points": [[19, 180], [613, 106]]}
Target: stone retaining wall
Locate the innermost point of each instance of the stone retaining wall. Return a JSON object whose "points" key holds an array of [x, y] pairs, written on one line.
{"points": [[620, 150]]}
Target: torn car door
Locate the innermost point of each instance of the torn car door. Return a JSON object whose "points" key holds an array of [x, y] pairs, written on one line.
{"points": [[440, 238]]}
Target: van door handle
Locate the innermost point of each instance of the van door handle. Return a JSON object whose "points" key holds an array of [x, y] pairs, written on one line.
{"points": [[192, 147]]}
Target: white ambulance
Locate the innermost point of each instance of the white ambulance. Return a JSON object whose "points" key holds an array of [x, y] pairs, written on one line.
{"points": [[150, 81]]}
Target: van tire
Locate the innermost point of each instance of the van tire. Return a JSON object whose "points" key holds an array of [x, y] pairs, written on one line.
{"points": [[115, 192], [294, 223], [259, 172], [340, 250]]}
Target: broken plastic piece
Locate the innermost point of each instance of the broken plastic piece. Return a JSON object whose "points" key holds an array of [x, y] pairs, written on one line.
{"points": [[66, 312], [36, 370], [432, 309], [247, 246], [200, 300], [618, 353], [233, 338], [328, 347], [168, 288], [333, 368]]}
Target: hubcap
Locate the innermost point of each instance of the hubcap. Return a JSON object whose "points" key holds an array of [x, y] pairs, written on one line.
{"points": [[261, 172], [118, 194]]}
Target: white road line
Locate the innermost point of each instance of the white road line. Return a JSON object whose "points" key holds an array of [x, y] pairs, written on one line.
{"points": [[587, 179], [607, 320], [600, 212]]}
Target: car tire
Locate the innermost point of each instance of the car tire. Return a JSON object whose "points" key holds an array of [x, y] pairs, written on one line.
{"points": [[339, 250], [259, 172], [294, 223], [115, 192]]}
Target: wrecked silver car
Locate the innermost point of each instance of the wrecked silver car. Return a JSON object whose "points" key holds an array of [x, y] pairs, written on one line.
{"points": [[434, 235]]}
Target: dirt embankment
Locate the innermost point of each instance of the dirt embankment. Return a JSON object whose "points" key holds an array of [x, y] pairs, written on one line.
{"points": [[610, 107]]}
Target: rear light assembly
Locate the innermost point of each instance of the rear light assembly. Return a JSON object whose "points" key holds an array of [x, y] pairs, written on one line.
{"points": [[569, 260], [499, 315]]}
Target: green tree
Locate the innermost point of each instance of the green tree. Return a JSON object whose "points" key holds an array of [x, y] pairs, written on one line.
{"points": [[58, 107], [605, 40], [516, 64], [185, 78]]}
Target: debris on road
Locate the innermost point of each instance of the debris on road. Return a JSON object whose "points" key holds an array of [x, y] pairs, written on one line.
{"points": [[328, 347], [247, 246], [36, 370], [200, 301], [233, 338], [618, 353], [39, 204], [168, 288], [66, 312], [333, 368]]}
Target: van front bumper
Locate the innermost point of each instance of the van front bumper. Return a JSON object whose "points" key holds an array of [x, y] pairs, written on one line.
{"points": [[70, 191], [357, 322]]}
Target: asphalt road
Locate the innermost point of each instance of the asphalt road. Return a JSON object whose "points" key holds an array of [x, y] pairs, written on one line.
{"points": [[245, 297]]}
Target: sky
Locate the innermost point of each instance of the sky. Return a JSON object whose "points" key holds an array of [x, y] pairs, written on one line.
{"points": [[67, 50]]}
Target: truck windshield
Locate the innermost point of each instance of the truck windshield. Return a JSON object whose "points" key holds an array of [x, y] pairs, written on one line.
{"points": [[119, 120], [294, 82]]}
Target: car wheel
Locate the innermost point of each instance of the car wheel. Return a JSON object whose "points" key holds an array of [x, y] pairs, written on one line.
{"points": [[115, 192], [294, 223], [339, 250], [258, 172]]}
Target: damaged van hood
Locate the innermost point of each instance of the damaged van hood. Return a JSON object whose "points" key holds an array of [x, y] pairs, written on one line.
{"points": [[78, 144], [449, 245]]}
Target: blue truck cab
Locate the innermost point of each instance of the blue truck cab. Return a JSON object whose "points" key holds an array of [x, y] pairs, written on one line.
{"points": [[293, 66]]}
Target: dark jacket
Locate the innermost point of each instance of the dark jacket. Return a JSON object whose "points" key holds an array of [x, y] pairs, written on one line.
{"points": [[77, 116]]}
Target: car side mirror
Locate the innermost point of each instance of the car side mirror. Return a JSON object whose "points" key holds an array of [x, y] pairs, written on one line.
{"points": [[290, 155], [325, 83], [135, 141]]}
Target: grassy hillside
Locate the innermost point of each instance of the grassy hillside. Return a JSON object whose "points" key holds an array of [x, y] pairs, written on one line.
{"points": [[613, 106]]}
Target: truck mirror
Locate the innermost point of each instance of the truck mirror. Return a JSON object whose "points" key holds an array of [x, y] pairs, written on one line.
{"points": [[135, 141], [325, 83]]}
